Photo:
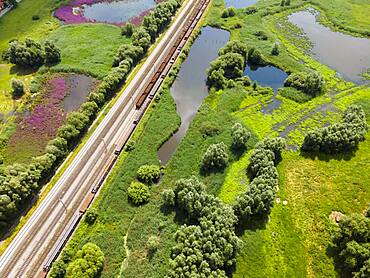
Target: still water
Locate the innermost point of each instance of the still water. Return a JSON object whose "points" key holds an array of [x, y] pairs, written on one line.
{"points": [[116, 11], [79, 88], [239, 3], [189, 88], [268, 76], [348, 55]]}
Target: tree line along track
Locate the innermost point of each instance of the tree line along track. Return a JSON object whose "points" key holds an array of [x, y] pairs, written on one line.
{"points": [[96, 156]]}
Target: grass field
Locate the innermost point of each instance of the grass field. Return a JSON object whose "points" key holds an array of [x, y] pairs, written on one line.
{"points": [[18, 23], [87, 48]]}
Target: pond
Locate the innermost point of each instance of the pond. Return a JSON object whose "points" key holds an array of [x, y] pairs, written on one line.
{"points": [[189, 88], [239, 3], [348, 55], [115, 12], [268, 76], [79, 87]]}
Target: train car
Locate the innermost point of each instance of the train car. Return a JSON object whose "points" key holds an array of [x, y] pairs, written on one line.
{"points": [[86, 203], [41, 274], [140, 101]]}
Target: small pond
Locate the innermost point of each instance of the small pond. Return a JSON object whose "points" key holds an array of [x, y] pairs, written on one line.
{"points": [[239, 3], [348, 55], [110, 11], [117, 11], [189, 88], [268, 76], [79, 87]]}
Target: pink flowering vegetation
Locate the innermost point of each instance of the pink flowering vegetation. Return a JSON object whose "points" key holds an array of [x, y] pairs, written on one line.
{"points": [[67, 15], [36, 128]]}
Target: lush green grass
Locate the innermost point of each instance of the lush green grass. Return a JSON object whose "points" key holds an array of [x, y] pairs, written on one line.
{"points": [[87, 48], [18, 23]]}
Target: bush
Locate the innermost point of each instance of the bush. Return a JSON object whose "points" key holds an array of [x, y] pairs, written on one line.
{"points": [[309, 83], [138, 193], [275, 49], [58, 270], [250, 10], [168, 197], [17, 88], [35, 17], [228, 12], [215, 157], [341, 137], [240, 136], [149, 174], [91, 216], [234, 47], [152, 244]]}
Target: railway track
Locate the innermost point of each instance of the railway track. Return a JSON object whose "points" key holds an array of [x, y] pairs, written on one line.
{"points": [[80, 182]]}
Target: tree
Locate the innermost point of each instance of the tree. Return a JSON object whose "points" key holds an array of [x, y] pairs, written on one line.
{"points": [[309, 83], [255, 57], [215, 157], [234, 47], [127, 29], [58, 270], [141, 38], [87, 263], [228, 12], [149, 174], [352, 243], [275, 49], [240, 136], [138, 193], [17, 88], [27, 54], [91, 216], [52, 53]]}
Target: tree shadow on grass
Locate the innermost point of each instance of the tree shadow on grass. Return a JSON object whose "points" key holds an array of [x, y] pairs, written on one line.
{"points": [[343, 156], [254, 223], [332, 252], [21, 71]]}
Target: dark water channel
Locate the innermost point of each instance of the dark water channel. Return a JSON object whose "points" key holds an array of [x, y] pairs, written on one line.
{"points": [[189, 88], [348, 55], [239, 3], [116, 11], [268, 76], [79, 88]]}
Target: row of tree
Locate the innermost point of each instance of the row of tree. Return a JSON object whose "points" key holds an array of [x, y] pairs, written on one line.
{"points": [[19, 183], [87, 262], [339, 137], [32, 54], [352, 244], [259, 195], [208, 247]]}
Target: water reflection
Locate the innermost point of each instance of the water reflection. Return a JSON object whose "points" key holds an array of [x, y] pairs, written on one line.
{"points": [[348, 55], [116, 11], [189, 88], [268, 76]]}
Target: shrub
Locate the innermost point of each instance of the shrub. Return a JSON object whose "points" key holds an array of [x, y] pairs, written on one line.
{"points": [[228, 12], [138, 193], [215, 157], [168, 197], [309, 83], [152, 244], [240, 136], [250, 10], [149, 173], [58, 270], [17, 88], [35, 17], [275, 49], [91, 216], [234, 47]]}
